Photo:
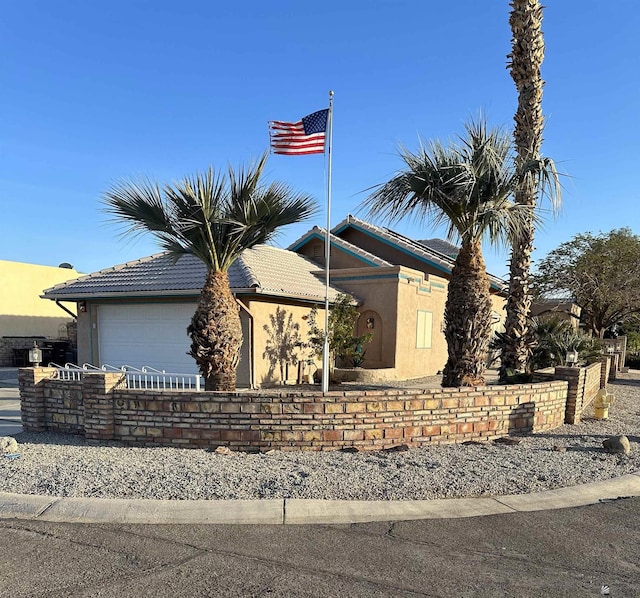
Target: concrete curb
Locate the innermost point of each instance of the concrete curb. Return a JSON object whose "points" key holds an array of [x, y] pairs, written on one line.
{"points": [[301, 511]]}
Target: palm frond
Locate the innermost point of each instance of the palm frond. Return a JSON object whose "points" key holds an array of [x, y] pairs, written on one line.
{"points": [[467, 186], [213, 215]]}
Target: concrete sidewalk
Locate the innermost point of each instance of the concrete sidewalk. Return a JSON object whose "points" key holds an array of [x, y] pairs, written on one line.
{"points": [[299, 511]]}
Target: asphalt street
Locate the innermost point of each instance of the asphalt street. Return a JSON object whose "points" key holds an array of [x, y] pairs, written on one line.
{"points": [[565, 552]]}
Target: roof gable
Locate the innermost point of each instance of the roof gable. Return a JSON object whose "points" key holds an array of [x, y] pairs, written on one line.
{"points": [[420, 250], [367, 258]]}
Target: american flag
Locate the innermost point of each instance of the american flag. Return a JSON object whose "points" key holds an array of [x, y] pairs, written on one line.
{"points": [[307, 136]]}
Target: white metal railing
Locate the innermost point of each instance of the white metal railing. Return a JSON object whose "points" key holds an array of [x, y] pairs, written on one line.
{"points": [[71, 372], [136, 378]]}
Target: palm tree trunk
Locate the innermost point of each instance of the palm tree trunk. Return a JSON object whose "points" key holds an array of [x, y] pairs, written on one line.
{"points": [[526, 56], [467, 318], [216, 333]]}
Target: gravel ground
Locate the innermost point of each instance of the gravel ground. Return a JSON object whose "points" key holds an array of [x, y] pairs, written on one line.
{"points": [[62, 465]]}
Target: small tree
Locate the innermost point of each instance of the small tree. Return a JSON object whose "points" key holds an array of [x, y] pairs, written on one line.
{"points": [[343, 344], [547, 342], [215, 217]]}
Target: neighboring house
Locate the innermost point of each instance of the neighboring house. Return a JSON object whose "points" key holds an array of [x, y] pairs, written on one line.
{"points": [[24, 315], [563, 309], [137, 313]]}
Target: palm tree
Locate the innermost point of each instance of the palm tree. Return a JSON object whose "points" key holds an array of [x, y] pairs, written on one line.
{"points": [[526, 57], [214, 217], [468, 186]]}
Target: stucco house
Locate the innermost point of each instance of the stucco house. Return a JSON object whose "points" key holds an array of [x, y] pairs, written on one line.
{"points": [[412, 307], [137, 313], [24, 315]]}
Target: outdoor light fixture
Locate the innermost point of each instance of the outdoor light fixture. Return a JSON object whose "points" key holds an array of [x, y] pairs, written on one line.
{"points": [[35, 355], [572, 358]]}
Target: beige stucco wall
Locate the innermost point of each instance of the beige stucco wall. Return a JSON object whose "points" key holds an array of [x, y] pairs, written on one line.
{"points": [[261, 310], [562, 310], [376, 289], [87, 337], [498, 307], [397, 295], [22, 311], [388, 252], [421, 295]]}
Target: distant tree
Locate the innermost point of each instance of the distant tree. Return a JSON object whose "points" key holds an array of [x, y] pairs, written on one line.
{"points": [[548, 341], [600, 273]]}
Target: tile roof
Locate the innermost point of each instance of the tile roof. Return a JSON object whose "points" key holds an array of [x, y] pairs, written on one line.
{"points": [[262, 269], [441, 246], [417, 248], [320, 232]]}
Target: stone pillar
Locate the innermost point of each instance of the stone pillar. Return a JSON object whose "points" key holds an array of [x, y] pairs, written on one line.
{"points": [[604, 372], [32, 407], [98, 403], [575, 376], [614, 366]]}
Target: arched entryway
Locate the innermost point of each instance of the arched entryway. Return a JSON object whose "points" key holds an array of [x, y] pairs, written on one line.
{"points": [[370, 322]]}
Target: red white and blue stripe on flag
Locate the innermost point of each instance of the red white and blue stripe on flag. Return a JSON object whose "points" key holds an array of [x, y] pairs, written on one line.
{"points": [[306, 136]]}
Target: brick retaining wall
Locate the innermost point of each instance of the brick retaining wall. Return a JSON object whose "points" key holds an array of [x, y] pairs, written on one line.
{"points": [[63, 406], [101, 409], [584, 384]]}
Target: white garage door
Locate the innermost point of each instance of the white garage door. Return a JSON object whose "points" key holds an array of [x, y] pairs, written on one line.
{"points": [[153, 335]]}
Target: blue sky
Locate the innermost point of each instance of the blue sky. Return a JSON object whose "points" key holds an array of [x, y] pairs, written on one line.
{"points": [[93, 92]]}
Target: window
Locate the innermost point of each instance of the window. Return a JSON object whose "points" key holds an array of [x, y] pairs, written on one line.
{"points": [[424, 330]]}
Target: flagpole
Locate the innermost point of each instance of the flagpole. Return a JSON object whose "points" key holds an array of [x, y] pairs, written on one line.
{"points": [[327, 252]]}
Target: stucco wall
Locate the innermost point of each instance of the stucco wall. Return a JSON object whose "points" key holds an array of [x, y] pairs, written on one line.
{"points": [[377, 289], [388, 252], [22, 311], [397, 295], [338, 259], [86, 334], [427, 296], [266, 372]]}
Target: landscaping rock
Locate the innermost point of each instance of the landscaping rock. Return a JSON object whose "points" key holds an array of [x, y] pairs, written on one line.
{"points": [[8, 444], [223, 450], [617, 444], [507, 440], [396, 448]]}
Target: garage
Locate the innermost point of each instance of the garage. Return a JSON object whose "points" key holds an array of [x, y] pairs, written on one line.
{"points": [[146, 334], [155, 335]]}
